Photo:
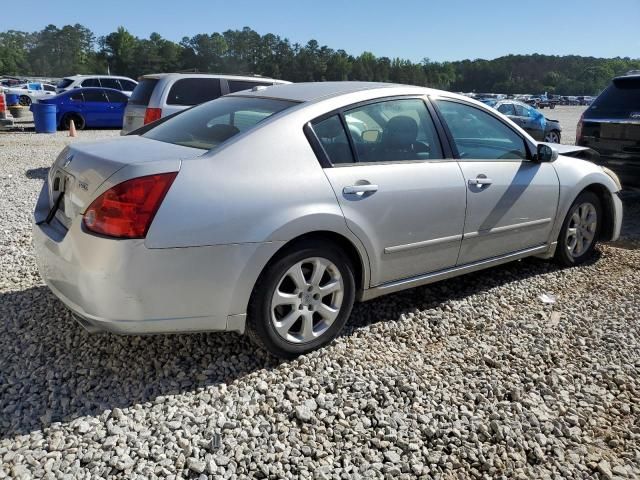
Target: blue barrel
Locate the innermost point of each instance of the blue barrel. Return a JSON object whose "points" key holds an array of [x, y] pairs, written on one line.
{"points": [[12, 99], [44, 117]]}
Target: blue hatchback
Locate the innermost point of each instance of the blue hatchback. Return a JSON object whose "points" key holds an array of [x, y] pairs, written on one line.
{"points": [[89, 107]]}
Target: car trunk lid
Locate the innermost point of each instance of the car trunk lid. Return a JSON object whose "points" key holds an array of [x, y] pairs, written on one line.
{"points": [[83, 167]]}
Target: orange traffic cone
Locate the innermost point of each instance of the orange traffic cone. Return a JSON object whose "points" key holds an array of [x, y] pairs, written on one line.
{"points": [[72, 129]]}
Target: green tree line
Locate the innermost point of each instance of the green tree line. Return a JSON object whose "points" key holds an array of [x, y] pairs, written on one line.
{"points": [[73, 49]]}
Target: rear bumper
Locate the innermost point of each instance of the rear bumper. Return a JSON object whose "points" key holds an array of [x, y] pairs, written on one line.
{"points": [[124, 287]]}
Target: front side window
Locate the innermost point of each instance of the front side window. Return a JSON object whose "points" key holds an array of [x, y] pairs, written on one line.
{"points": [[116, 97], [507, 109], [194, 91], [393, 130], [49, 88], [76, 97], [209, 125], [95, 96], [479, 135], [127, 85]]}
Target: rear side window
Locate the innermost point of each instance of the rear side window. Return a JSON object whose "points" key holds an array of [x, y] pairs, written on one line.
{"points": [[111, 83], [207, 126], [142, 93], [239, 85], [334, 140], [194, 91], [479, 135], [64, 83], [91, 82], [622, 96]]}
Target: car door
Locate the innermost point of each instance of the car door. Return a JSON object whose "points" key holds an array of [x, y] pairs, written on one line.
{"points": [[96, 108], [511, 200], [115, 110], [400, 194]]}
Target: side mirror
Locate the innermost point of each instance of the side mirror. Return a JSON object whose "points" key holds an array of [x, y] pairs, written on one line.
{"points": [[546, 153], [370, 136]]}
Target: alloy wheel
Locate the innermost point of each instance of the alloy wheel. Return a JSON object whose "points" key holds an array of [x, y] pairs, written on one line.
{"points": [[307, 300], [552, 137], [581, 230]]}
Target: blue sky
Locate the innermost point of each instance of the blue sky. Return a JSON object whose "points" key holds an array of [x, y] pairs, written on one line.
{"points": [[413, 29]]}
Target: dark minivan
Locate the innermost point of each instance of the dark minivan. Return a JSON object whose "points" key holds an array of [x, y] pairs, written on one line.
{"points": [[611, 126]]}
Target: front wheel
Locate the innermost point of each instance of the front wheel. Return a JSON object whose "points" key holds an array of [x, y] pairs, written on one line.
{"points": [[24, 100], [580, 230], [302, 300], [552, 137]]}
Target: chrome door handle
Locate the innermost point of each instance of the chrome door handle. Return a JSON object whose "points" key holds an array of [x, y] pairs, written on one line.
{"points": [[359, 189], [480, 181]]}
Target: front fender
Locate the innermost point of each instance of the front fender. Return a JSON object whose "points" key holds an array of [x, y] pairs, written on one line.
{"points": [[575, 176]]}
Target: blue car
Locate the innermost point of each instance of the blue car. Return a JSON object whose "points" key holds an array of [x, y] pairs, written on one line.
{"points": [[89, 107]]}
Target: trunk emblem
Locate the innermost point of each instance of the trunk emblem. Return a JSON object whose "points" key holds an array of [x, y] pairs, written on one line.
{"points": [[635, 115]]}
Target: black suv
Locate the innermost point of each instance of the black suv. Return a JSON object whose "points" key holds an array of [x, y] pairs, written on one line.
{"points": [[611, 126]]}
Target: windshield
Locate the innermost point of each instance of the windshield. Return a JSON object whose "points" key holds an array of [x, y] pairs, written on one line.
{"points": [[64, 83], [210, 124]]}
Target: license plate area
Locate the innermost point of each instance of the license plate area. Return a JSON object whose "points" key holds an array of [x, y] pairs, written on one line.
{"points": [[61, 185]]}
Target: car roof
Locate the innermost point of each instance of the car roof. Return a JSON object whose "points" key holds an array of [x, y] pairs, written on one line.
{"points": [[77, 77], [314, 91], [176, 75]]}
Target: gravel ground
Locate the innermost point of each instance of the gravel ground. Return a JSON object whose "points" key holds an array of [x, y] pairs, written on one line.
{"points": [[469, 378]]}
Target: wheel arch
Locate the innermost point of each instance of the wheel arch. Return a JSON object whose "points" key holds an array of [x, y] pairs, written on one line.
{"points": [[605, 196]]}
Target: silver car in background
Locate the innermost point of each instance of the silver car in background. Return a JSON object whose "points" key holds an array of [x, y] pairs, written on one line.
{"points": [[271, 212], [162, 94]]}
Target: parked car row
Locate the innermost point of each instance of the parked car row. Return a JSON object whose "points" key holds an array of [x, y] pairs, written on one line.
{"points": [[29, 92]]}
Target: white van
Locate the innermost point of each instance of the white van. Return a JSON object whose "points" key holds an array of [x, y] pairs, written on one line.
{"points": [[125, 84], [163, 94]]}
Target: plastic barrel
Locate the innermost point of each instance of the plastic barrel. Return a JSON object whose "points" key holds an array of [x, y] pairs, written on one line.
{"points": [[44, 117], [12, 99]]}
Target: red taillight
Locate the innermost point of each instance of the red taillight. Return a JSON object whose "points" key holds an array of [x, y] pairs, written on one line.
{"points": [[3, 106], [152, 114], [579, 130], [127, 210]]}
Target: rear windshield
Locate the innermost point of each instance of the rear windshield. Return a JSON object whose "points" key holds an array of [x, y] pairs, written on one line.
{"points": [[142, 93], [622, 96], [64, 83], [207, 126], [194, 91]]}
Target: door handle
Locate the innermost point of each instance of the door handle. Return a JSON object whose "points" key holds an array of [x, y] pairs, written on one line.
{"points": [[359, 189], [480, 181]]}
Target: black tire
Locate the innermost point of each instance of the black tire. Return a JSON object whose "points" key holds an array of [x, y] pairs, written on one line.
{"points": [[78, 121], [563, 255], [260, 328], [24, 100], [552, 106]]}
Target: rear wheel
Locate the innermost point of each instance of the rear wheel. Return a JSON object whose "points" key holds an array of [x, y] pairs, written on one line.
{"points": [[302, 300], [24, 100], [78, 121], [580, 230]]}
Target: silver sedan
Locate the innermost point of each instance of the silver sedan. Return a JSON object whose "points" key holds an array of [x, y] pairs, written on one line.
{"points": [[271, 211]]}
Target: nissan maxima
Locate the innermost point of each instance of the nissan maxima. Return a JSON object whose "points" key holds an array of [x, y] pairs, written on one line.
{"points": [[272, 211]]}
